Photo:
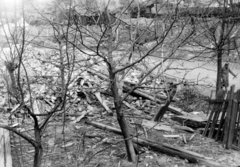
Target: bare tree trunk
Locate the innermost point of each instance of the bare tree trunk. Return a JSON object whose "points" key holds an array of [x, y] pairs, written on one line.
{"points": [[219, 55], [12, 87], [13, 81], [11, 68], [116, 96], [121, 119], [38, 156], [38, 147], [219, 70], [62, 69]]}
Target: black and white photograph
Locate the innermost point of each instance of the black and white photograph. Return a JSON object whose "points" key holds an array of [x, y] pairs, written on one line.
{"points": [[119, 83]]}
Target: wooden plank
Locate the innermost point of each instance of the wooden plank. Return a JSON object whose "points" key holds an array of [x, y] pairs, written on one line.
{"points": [[237, 97], [191, 156], [232, 126], [5, 149], [238, 121], [217, 109], [177, 111], [228, 117], [221, 124], [208, 122], [219, 136], [190, 123], [102, 102], [238, 128], [235, 130]]}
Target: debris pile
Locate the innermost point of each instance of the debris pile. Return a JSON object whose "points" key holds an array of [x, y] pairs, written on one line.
{"points": [[89, 96]]}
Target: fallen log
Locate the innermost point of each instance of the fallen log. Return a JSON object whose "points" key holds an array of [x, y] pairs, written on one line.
{"points": [[191, 156], [170, 108], [177, 111], [158, 95], [188, 122], [140, 93]]}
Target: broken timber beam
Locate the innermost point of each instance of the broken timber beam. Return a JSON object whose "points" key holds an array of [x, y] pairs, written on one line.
{"points": [[102, 102], [174, 110], [149, 97], [140, 93], [159, 96], [191, 156]]}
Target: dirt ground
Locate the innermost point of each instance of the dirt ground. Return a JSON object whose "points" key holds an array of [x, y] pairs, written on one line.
{"points": [[86, 146], [83, 145]]}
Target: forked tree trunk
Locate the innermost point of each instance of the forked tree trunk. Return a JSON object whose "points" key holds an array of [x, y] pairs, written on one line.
{"points": [[116, 96]]}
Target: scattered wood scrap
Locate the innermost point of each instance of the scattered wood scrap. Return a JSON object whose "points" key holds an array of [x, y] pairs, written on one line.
{"points": [[191, 156], [184, 128], [157, 126], [103, 103], [191, 120], [78, 119], [170, 108], [176, 111], [143, 94], [135, 110], [171, 136]]}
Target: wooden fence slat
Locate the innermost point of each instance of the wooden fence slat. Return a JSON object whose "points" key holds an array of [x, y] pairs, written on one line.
{"points": [[217, 109], [218, 104], [237, 136], [208, 123], [232, 126], [238, 128], [228, 129], [227, 118], [221, 123]]}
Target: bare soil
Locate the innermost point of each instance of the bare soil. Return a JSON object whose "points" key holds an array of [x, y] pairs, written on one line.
{"points": [[83, 145]]}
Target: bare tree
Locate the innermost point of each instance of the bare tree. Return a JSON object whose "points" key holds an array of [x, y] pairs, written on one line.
{"points": [[216, 33], [23, 83], [119, 44], [110, 38]]}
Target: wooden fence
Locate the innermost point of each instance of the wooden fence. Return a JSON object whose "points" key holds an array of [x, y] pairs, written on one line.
{"points": [[224, 119]]}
